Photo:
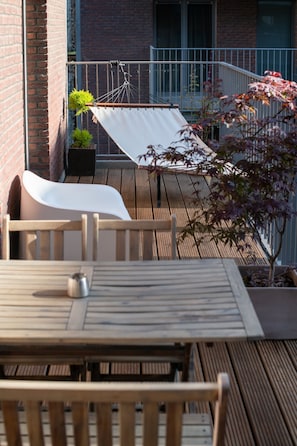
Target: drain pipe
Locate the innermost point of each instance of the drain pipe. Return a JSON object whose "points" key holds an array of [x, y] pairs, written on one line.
{"points": [[25, 86]]}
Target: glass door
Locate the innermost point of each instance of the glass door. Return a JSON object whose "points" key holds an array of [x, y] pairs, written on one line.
{"points": [[183, 30]]}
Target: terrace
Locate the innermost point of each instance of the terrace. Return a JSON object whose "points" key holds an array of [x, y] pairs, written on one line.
{"points": [[262, 402], [263, 374]]}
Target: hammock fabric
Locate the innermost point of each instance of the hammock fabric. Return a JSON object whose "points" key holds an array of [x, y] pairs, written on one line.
{"points": [[134, 127]]}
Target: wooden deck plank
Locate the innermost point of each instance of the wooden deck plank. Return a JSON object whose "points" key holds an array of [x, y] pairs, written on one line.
{"points": [[206, 249], [291, 346], [281, 375], [100, 176], [215, 358], [114, 179], [72, 179], [31, 370], [58, 370], [151, 179], [173, 193], [86, 179], [10, 370], [263, 410], [186, 248], [143, 195], [209, 248], [163, 240], [128, 190]]}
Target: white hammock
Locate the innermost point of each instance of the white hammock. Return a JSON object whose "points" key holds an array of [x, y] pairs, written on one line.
{"points": [[134, 127]]}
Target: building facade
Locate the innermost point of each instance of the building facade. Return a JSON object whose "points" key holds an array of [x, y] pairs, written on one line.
{"points": [[125, 30]]}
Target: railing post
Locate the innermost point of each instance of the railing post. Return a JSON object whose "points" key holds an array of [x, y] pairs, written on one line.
{"points": [[151, 73]]}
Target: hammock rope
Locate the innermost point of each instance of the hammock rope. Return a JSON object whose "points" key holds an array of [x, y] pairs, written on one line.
{"points": [[125, 91]]}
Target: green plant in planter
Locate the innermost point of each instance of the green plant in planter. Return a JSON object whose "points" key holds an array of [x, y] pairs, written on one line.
{"points": [[253, 170], [78, 100], [81, 154], [81, 138]]}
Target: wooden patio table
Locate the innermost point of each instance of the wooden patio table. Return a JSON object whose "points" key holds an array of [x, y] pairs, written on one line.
{"points": [[139, 303]]}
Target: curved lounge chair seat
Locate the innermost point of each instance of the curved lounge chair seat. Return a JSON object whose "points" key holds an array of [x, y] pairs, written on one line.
{"points": [[48, 200]]}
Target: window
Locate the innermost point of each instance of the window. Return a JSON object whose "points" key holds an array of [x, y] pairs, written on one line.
{"points": [[183, 32], [274, 30], [183, 24]]}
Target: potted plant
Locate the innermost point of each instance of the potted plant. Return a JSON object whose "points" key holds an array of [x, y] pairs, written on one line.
{"points": [[81, 138], [253, 169], [82, 153]]}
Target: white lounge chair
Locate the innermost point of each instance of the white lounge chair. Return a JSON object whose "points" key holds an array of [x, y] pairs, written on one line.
{"points": [[48, 200]]}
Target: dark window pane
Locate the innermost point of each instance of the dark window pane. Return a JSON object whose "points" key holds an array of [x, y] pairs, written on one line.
{"points": [[199, 26], [168, 23]]}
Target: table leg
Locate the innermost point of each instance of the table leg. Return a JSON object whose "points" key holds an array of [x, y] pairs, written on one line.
{"points": [[187, 366], [78, 372], [158, 190], [2, 373]]}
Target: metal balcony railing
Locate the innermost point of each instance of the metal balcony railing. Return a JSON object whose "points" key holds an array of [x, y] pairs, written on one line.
{"points": [[179, 82], [256, 60], [175, 75]]}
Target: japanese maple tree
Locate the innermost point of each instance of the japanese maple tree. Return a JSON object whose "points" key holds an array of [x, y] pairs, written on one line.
{"points": [[253, 168]]}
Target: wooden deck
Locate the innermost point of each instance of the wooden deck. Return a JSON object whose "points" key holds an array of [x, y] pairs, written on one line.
{"points": [[263, 400], [139, 192]]}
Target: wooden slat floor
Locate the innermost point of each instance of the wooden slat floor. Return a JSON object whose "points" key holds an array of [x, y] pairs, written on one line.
{"points": [[139, 192], [263, 400]]}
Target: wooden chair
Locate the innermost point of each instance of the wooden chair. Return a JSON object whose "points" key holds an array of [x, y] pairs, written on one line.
{"points": [[56, 413], [42, 239], [135, 241], [135, 238]]}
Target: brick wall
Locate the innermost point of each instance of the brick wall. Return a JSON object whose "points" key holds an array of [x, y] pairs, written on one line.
{"points": [[57, 56], [11, 99], [38, 86], [46, 47], [236, 23], [46, 57], [112, 29]]}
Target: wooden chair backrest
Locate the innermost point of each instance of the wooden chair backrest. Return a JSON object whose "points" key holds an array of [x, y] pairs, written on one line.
{"points": [[71, 419], [135, 238], [42, 237]]}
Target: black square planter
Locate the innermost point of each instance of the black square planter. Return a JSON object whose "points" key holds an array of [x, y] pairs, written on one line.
{"points": [[81, 161]]}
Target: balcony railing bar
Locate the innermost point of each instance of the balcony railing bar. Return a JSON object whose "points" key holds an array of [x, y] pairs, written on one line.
{"points": [[257, 60], [179, 82]]}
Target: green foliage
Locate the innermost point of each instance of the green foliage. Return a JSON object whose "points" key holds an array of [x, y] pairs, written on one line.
{"points": [[78, 99], [81, 138], [252, 170]]}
